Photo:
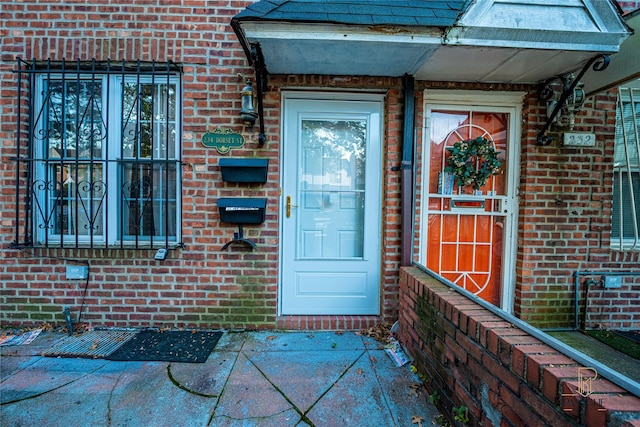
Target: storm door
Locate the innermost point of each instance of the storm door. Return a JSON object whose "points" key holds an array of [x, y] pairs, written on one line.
{"points": [[331, 205], [468, 227]]}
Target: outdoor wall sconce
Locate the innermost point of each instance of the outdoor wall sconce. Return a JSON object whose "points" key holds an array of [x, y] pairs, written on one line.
{"points": [[248, 111], [566, 114], [563, 108], [252, 108]]}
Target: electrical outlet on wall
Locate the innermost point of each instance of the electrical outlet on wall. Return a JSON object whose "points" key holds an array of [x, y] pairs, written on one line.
{"points": [[77, 272], [612, 282], [161, 255]]}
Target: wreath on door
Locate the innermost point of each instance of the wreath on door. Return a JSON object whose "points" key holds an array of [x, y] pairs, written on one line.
{"points": [[473, 162]]}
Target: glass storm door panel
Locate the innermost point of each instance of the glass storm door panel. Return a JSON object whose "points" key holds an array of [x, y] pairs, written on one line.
{"points": [[331, 207], [465, 227]]}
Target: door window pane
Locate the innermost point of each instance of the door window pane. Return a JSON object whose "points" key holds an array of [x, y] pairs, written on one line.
{"points": [[331, 188]]}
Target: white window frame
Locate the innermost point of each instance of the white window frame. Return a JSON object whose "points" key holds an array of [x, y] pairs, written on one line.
{"points": [[112, 208]]}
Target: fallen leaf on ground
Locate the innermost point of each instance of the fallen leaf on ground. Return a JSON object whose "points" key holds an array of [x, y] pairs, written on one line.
{"points": [[359, 371], [381, 332], [414, 390], [339, 332], [416, 419], [271, 337]]}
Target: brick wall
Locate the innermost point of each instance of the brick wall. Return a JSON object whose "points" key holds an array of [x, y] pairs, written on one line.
{"points": [[198, 285], [500, 373], [565, 222], [565, 193], [610, 308]]}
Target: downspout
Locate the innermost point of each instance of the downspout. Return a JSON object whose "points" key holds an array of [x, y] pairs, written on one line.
{"points": [[406, 183]]}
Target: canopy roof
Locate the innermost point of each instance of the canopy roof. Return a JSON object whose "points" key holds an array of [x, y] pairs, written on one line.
{"points": [[512, 41]]}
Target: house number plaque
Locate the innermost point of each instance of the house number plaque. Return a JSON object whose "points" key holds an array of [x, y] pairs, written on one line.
{"points": [[579, 139], [222, 139]]}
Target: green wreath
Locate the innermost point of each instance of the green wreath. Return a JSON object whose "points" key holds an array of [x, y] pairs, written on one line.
{"points": [[473, 162]]}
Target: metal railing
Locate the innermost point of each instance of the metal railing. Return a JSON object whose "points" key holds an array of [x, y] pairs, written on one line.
{"points": [[98, 154], [625, 219]]}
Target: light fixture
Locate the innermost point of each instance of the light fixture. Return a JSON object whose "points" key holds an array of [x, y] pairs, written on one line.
{"points": [[565, 115], [248, 97], [565, 97]]}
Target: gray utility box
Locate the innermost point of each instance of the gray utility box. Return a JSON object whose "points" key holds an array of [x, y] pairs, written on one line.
{"points": [[244, 170], [239, 210]]}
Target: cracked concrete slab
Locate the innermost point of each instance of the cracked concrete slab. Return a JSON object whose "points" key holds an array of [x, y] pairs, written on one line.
{"points": [[249, 397], [58, 399], [302, 341], [206, 378], [290, 379], [10, 365], [400, 395], [145, 396], [355, 399], [44, 375], [304, 376]]}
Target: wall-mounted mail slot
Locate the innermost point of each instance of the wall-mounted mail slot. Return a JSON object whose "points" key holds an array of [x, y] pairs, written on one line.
{"points": [[467, 204], [244, 170], [238, 210]]}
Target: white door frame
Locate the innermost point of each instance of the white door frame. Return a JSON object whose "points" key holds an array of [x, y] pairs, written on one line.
{"points": [[376, 158]]}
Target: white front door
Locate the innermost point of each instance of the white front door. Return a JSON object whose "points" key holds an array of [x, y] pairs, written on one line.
{"points": [[331, 204]]}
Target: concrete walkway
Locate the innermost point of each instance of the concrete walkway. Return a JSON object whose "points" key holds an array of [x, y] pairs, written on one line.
{"points": [[250, 379]]}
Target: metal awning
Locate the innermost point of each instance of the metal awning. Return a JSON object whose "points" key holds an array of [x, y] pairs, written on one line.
{"points": [[505, 41]]}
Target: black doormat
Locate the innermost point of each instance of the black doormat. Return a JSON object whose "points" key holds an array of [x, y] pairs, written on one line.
{"points": [[168, 346]]}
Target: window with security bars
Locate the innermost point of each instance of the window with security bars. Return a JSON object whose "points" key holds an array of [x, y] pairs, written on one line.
{"points": [[625, 232], [98, 154]]}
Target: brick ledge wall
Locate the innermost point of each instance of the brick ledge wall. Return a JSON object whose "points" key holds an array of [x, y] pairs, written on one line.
{"points": [[326, 323], [502, 374]]}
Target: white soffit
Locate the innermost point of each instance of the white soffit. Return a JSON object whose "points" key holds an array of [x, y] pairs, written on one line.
{"points": [[494, 65], [292, 48]]}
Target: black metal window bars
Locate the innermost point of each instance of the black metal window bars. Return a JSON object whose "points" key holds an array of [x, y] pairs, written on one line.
{"points": [[625, 230], [98, 154]]}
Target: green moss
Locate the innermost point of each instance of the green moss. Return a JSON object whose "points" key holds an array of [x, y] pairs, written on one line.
{"points": [[617, 342]]}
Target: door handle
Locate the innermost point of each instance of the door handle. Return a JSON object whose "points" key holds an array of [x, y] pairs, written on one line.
{"points": [[289, 206]]}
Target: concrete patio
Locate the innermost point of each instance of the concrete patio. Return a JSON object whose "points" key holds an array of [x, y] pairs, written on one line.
{"points": [[250, 379]]}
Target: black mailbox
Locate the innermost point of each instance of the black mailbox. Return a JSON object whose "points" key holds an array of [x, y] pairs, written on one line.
{"points": [[242, 210], [244, 170]]}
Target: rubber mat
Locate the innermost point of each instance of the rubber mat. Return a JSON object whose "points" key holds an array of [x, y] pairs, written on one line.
{"points": [[168, 346], [92, 345]]}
